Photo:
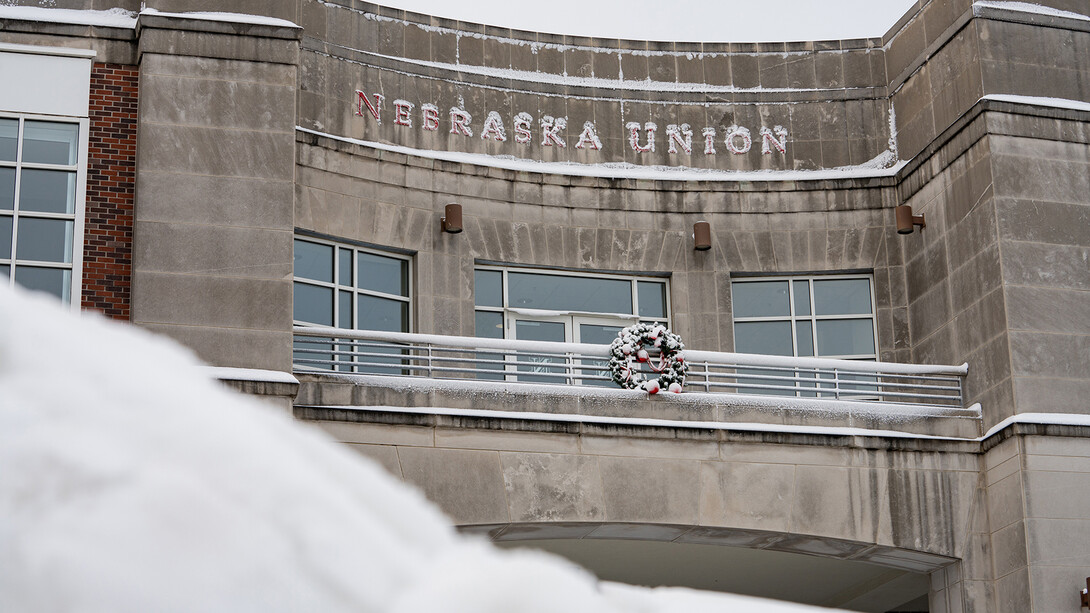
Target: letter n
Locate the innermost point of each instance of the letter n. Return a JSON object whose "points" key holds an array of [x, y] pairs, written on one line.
{"points": [[362, 101]]}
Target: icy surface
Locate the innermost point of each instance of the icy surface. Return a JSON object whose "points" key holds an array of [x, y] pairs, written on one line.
{"points": [[1053, 419], [650, 422], [228, 17], [883, 165], [1058, 103], [114, 18], [249, 374], [1027, 7], [133, 482], [120, 18]]}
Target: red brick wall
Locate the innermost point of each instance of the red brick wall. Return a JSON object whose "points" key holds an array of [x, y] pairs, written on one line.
{"points": [[111, 187]]}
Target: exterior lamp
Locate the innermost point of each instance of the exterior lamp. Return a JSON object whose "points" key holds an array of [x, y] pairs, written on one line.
{"points": [[906, 221], [451, 222], [702, 236]]}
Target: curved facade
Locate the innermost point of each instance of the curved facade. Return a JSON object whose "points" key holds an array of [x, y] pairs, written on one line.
{"points": [[291, 164]]}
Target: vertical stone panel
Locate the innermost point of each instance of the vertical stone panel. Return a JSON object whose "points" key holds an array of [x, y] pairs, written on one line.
{"points": [[239, 137]]}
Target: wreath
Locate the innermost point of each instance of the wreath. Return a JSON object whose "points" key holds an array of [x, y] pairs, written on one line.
{"points": [[628, 349]]}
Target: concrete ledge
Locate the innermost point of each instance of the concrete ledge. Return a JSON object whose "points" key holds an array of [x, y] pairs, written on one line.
{"points": [[218, 39], [1016, 15], [179, 21], [579, 410], [279, 388]]}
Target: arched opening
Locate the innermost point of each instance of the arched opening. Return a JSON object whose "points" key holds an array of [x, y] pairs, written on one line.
{"points": [[846, 584]]}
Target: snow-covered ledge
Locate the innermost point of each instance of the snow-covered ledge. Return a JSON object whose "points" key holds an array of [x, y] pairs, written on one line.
{"points": [[546, 408], [273, 386]]}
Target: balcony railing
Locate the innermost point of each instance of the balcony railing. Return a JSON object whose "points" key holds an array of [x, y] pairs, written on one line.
{"points": [[319, 349]]}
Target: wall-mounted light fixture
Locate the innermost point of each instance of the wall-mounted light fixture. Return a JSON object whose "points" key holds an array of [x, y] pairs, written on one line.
{"points": [[702, 236], [1085, 594], [452, 219], [906, 220]]}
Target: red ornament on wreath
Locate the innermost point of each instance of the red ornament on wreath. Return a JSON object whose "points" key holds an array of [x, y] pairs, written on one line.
{"points": [[628, 349]]}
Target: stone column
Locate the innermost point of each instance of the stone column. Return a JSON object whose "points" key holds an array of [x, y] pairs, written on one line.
{"points": [[215, 176]]}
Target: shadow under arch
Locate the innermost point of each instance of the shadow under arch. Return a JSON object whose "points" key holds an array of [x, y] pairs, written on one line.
{"points": [[794, 567]]}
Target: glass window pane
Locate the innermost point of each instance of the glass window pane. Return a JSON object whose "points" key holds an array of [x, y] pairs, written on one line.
{"points": [[56, 281], [596, 334], [50, 191], [651, 296], [565, 293], [344, 266], [539, 331], [804, 338], [5, 237], [802, 297], [49, 143], [760, 299], [5, 270], [7, 188], [382, 274], [596, 372], [314, 261], [374, 313], [44, 240], [845, 337], [9, 139], [313, 304], [489, 324], [842, 297], [767, 337], [488, 288], [344, 309]]}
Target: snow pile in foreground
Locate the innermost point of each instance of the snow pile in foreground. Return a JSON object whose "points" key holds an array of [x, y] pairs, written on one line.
{"points": [[132, 482]]}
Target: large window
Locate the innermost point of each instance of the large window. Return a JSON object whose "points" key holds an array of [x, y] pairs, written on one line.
{"points": [[829, 316], [348, 286], [41, 203], [824, 316], [561, 307]]}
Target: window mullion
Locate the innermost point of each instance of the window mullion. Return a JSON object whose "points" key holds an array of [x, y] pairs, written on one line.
{"points": [[15, 203]]}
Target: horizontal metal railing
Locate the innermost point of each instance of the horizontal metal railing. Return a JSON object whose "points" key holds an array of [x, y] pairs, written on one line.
{"points": [[320, 349]]}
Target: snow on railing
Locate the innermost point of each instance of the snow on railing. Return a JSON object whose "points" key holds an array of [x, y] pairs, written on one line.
{"points": [[322, 349]]}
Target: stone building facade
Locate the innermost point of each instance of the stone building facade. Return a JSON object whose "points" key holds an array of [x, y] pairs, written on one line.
{"points": [[225, 171]]}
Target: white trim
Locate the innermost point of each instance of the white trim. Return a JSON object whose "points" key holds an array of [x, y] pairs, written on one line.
{"points": [[36, 50]]}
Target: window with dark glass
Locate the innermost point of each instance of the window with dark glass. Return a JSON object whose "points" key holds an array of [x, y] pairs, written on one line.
{"points": [[819, 316], [829, 317], [39, 192], [561, 306], [346, 286]]}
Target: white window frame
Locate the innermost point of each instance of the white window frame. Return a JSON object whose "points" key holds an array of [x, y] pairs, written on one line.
{"points": [[338, 287], [572, 319], [813, 318], [77, 217]]}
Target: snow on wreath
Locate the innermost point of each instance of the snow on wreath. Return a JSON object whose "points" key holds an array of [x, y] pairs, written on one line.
{"points": [[628, 348]]}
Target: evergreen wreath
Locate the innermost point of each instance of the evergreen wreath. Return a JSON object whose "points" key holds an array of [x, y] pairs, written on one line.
{"points": [[628, 348]]}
